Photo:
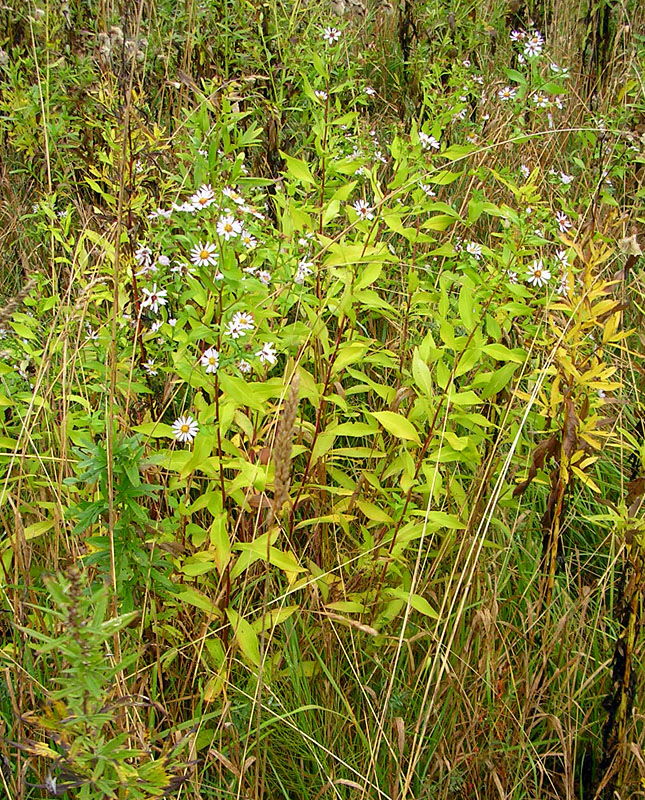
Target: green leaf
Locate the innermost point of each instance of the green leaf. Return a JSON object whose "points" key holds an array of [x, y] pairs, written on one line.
{"points": [[458, 151], [397, 425], [373, 512], [514, 75], [220, 542], [444, 177], [37, 529], [193, 597], [298, 169], [245, 636], [346, 606], [421, 373], [417, 602], [155, 430], [502, 353]]}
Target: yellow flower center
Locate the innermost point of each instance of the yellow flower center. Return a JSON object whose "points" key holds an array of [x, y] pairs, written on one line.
{"points": [[228, 227], [185, 428], [204, 254]]}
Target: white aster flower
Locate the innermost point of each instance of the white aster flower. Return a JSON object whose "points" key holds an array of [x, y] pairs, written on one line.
{"points": [[248, 240], [321, 94], [331, 35], [537, 274], [267, 354], [203, 197], [229, 227], [428, 141], [563, 221], [564, 285], [566, 179], [243, 366], [210, 359], [264, 276], [369, 91], [153, 298], [303, 272], [149, 367], [534, 44], [203, 255], [186, 207], [363, 209], [507, 93], [562, 258], [165, 213], [143, 255], [427, 189], [525, 171], [233, 194], [185, 429], [474, 249]]}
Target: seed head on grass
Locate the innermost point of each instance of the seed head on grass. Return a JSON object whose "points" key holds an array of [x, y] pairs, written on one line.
{"points": [[282, 448], [14, 303]]}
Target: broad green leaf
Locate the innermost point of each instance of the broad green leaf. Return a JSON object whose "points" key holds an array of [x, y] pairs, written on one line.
{"points": [[192, 596], [220, 542], [156, 430], [273, 618], [502, 353], [421, 373], [369, 275], [346, 606], [245, 636], [37, 529], [397, 425], [457, 151], [444, 177], [417, 602], [373, 512], [298, 169]]}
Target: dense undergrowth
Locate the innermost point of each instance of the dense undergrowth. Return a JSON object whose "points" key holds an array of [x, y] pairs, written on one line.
{"points": [[321, 425]]}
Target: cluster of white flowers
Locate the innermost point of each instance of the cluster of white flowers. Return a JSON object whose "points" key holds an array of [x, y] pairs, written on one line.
{"points": [[238, 326]]}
